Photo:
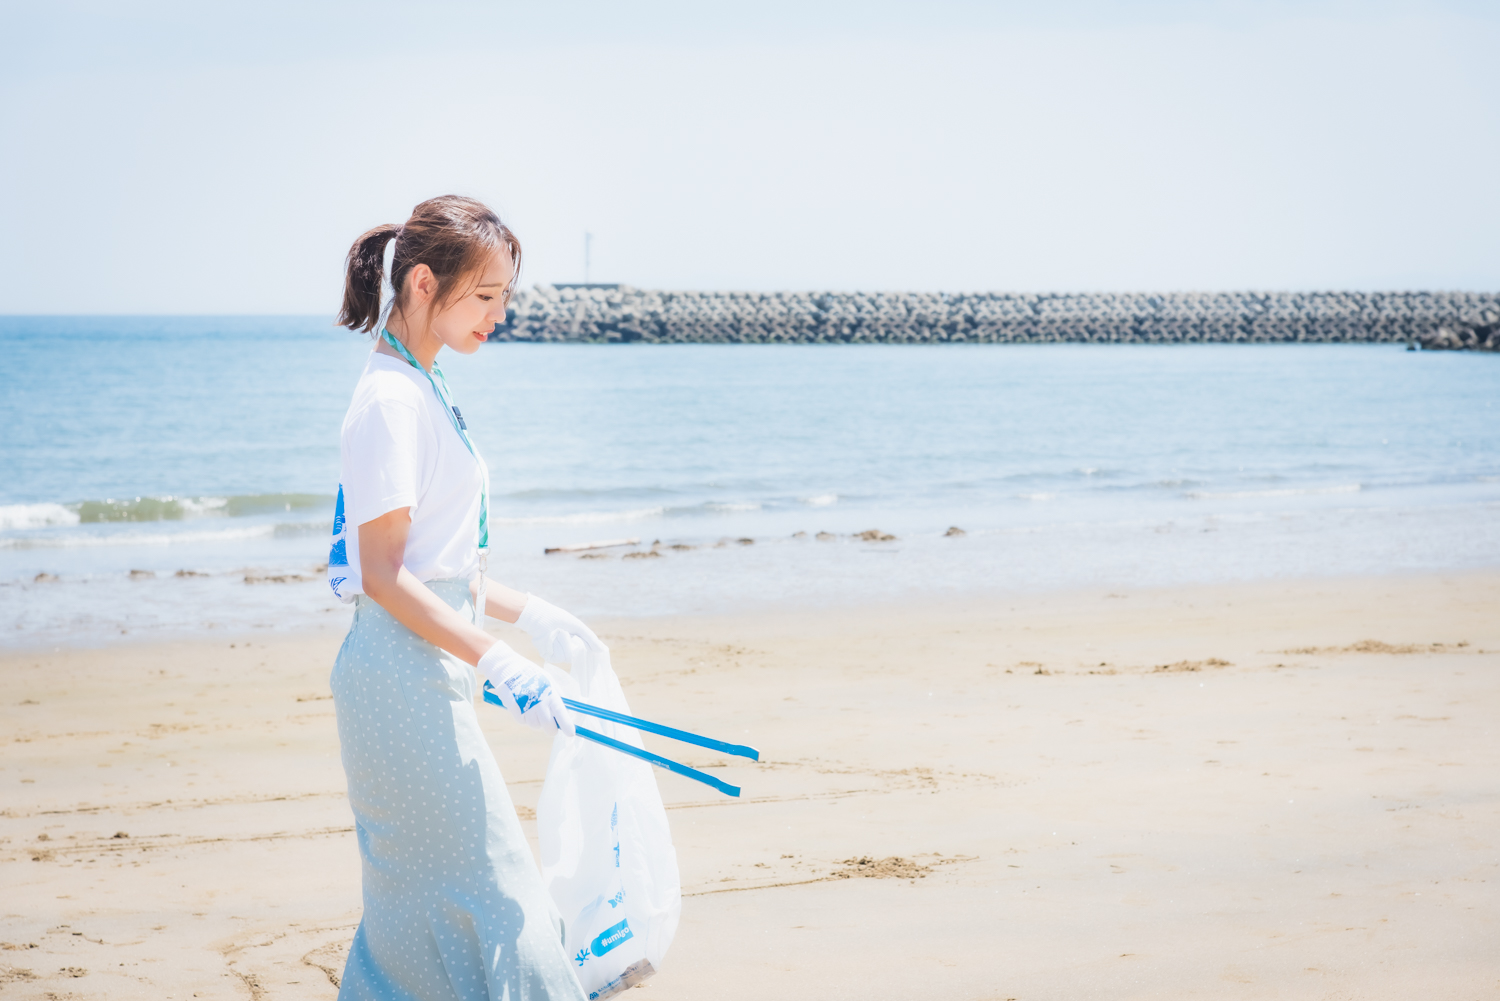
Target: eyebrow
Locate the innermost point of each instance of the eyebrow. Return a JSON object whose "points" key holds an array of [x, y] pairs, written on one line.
{"points": [[493, 285]]}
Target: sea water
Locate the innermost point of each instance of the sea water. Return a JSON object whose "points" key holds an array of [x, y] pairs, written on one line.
{"points": [[161, 475]]}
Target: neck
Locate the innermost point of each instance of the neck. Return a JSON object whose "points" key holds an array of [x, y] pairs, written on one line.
{"points": [[424, 347]]}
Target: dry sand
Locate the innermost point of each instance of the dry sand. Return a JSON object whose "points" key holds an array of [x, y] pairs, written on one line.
{"points": [[1213, 792]]}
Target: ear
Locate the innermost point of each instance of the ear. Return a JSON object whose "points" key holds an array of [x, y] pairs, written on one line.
{"points": [[423, 284]]}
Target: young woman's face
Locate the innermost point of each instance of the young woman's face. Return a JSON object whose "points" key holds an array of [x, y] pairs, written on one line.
{"points": [[468, 320]]}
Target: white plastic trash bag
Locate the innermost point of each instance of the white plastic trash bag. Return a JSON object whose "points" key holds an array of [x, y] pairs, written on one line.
{"points": [[607, 855]]}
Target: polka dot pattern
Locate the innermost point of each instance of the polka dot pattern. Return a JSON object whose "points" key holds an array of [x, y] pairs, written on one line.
{"points": [[454, 906]]}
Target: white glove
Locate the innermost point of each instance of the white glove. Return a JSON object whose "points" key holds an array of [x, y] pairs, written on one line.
{"points": [[524, 689], [558, 636]]}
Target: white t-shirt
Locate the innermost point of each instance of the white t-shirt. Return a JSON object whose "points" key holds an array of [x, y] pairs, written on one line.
{"points": [[399, 449]]}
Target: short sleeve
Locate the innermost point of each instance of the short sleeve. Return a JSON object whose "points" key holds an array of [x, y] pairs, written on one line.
{"points": [[382, 459]]}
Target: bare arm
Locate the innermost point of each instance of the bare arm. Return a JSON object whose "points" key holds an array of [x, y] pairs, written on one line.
{"points": [[382, 549], [500, 602]]}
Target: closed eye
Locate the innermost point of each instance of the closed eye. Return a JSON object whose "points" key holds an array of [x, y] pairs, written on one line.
{"points": [[485, 298]]}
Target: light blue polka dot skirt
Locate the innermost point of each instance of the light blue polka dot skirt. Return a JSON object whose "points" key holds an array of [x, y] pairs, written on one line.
{"points": [[454, 906]]}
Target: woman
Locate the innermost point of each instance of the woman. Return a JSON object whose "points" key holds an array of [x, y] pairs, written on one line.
{"points": [[454, 906]]}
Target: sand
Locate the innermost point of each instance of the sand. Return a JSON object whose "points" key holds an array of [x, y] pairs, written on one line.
{"points": [[1283, 790]]}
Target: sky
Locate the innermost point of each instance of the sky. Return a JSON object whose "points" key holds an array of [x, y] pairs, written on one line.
{"points": [[190, 158]]}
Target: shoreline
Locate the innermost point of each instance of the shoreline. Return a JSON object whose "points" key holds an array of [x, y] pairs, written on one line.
{"points": [[787, 609], [1283, 787]]}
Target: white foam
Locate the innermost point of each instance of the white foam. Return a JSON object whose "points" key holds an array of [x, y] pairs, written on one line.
{"points": [[17, 516], [821, 500], [586, 517], [725, 508], [90, 540], [1037, 497], [1344, 488], [201, 506]]}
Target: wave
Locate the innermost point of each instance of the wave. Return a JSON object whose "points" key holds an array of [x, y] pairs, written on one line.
{"points": [[150, 509], [86, 541], [1343, 488], [585, 517], [820, 500], [22, 516], [146, 510], [14, 517], [633, 514], [171, 508]]}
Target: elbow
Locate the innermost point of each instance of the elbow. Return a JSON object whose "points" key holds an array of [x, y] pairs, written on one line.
{"points": [[379, 582], [375, 589]]}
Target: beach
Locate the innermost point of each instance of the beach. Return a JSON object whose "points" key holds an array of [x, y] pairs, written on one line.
{"points": [[1283, 788], [1063, 440]]}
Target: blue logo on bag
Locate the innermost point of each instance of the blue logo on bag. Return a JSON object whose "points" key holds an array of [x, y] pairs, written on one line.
{"points": [[338, 556], [338, 513], [611, 937], [617, 899], [335, 584]]}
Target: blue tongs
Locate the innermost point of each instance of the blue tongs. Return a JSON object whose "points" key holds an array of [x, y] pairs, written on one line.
{"points": [[741, 750]]}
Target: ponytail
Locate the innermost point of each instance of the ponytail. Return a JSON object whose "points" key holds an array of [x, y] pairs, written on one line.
{"points": [[364, 270]]}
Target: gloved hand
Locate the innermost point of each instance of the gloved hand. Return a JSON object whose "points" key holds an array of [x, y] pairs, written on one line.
{"points": [[558, 636], [524, 689]]}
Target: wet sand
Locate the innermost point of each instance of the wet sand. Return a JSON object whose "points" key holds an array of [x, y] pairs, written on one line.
{"points": [[1285, 789]]}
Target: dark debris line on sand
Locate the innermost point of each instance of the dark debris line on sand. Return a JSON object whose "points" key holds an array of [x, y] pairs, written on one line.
{"points": [[588, 551]]}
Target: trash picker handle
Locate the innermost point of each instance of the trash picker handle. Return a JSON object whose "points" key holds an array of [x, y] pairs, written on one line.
{"points": [[636, 752], [741, 750], [657, 759]]}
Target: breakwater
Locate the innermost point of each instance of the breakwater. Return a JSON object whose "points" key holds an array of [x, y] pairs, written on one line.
{"points": [[620, 313]]}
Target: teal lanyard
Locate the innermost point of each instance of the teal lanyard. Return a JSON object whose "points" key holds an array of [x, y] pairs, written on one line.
{"points": [[440, 387]]}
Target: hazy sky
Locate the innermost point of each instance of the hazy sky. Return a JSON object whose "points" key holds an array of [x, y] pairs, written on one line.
{"points": [[220, 158]]}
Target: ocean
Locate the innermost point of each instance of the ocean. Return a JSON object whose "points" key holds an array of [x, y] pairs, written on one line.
{"points": [[161, 476]]}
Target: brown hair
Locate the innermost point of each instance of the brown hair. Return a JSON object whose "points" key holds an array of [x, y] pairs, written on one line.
{"points": [[452, 235]]}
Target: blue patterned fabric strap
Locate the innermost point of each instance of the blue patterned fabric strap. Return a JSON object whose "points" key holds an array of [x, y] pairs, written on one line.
{"points": [[440, 387]]}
